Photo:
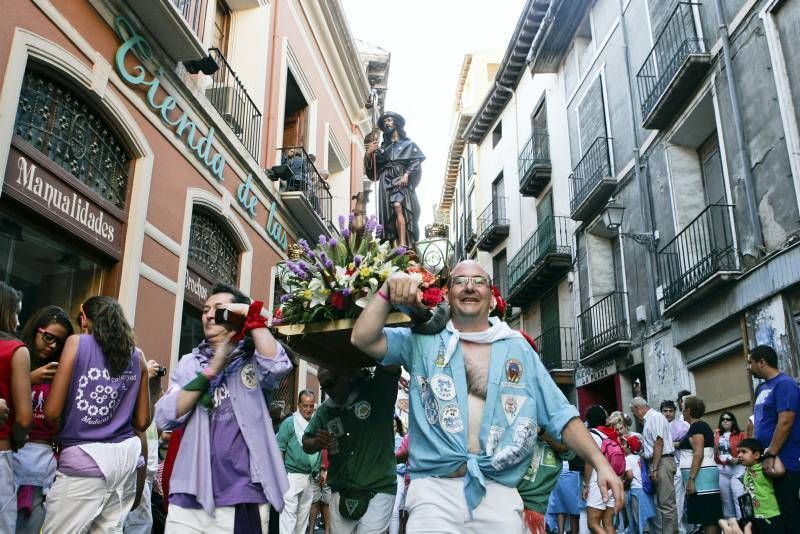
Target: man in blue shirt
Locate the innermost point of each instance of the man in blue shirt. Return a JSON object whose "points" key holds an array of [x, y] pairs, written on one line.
{"points": [[479, 395], [777, 402]]}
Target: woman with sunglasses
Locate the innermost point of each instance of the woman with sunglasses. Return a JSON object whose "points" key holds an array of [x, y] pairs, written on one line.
{"points": [[100, 395], [35, 464], [15, 389], [726, 439]]}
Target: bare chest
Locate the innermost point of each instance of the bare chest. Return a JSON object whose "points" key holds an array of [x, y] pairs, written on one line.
{"points": [[476, 364]]}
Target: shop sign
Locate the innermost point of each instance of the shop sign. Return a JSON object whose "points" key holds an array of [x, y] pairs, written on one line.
{"points": [[42, 186], [137, 76], [248, 201], [586, 375], [197, 288]]}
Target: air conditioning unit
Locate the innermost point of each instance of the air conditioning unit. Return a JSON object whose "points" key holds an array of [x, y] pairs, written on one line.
{"points": [[228, 103]]}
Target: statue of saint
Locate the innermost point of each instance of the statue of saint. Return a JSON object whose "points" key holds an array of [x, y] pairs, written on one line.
{"points": [[396, 165]]}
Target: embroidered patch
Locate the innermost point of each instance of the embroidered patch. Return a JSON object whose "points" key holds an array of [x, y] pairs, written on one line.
{"points": [[249, 376], [431, 407], [512, 404], [362, 409], [493, 439], [513, 371], [335, 427], [351, 505], [450, 418], [440, 355], [422, 383], [443, 387], [520, 447]]}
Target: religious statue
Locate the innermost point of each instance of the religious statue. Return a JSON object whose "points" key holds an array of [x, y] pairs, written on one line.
{"points": [[395, 164]]}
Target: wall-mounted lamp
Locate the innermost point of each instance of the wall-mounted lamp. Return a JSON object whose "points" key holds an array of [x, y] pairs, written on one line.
{"points": [[612, 218]]}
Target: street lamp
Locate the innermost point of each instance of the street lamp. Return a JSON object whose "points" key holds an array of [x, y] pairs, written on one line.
{"points": [[612, 219], [436, 255]]}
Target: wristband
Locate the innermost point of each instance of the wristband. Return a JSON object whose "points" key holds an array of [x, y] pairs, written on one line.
{"points": [[209, 374], [383, 295]]}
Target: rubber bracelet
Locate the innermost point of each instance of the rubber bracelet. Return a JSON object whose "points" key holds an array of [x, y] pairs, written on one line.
{"points": [[383, 295], [209, 374]]}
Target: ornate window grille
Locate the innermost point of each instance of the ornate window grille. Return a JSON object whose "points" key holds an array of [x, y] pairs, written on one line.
{"points": [[212, 248], [66, 129]]}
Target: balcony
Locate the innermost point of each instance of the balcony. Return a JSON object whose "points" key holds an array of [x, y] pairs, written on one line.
{"points": [[591, 183], [698, 260], [305, 193], [557, 348], [229, 97], [534, 165], [541, 262], [177, 24], [493, 225], [604, 328], [673, 70]]}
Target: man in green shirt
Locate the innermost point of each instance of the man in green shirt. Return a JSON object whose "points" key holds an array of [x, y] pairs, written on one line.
{"points": [[355, 425], [301, 467]]}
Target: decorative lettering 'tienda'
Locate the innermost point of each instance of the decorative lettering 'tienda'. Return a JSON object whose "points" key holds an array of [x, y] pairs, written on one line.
{"points": [[194, 139]]}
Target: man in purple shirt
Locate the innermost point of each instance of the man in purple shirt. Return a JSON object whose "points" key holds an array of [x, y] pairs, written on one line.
{"points": [[228, 469]]}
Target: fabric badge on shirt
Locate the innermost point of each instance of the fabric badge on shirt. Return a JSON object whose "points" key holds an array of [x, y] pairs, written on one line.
{"points": [[335, 427], [440, 355], [521, 443], [249, 376], [450, 418], [362, 409], [443, 387], [429, 402], [513, 370], [493, 439], [512, 404]]}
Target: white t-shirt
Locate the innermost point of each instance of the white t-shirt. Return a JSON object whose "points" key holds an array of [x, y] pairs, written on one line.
{"points": [[632, 465]]}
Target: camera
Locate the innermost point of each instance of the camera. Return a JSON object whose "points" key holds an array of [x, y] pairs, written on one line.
{"points": [[162, 371], [229, 319]]}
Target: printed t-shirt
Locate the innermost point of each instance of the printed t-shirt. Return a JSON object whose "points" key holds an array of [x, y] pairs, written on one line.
{"points": [[364, 457], [778, 394], [765, 505]]}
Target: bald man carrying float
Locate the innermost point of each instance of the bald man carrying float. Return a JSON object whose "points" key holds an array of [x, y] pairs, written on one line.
{"points": [[479, 395]]}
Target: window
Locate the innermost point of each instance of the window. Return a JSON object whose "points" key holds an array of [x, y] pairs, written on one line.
{"points": [[500, 273], [295, 122], [497, 134], [66, 129], [539, 119], [222, 25], [498, 197], [212, 249]]}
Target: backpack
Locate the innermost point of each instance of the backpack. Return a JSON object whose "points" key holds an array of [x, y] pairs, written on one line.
{"points": [[647, 483], [613, 452]]}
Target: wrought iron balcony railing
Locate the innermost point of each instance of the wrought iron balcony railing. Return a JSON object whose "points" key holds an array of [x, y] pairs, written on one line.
{"points": [[557, 348], [468, 232], [229, 97], [193, 12], [588, 183], [670, 62], [542, 261], [703, 249], [534, 165], [306, 179], [493, 224], [604, 326]]}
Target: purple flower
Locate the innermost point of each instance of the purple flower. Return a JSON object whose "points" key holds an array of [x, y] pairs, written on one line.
{"points": [[378, 230], [304, 245], [341, 222], [351, 217], [372, 222], [329, 264], [332, 242], [346, 292], [322, 240], [346, 233], [357, 261], [285, 298], [399, 251]]}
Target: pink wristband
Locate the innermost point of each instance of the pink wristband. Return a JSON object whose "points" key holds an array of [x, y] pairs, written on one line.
{"points": [[383, 295], [209, 374]]}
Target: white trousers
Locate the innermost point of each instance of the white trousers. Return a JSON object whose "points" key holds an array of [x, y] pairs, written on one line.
{"points": [[8, 493], [296, 504], [394, 525], [680, 502], [374, 521], [438, 505], [197, 521], [87, 504], [140, 519]]}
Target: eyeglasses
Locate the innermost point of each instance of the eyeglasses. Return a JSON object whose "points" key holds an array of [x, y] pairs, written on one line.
{"points": [[49, 338], [477, 281], [726, 419]]}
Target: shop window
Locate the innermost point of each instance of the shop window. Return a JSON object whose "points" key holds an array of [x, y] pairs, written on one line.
{"points": [[47, 270], [212, 249], [66, 129], [191, 330]]}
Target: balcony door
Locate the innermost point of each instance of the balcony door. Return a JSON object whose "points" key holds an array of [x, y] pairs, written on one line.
{"points": [[498, 192], [714, 226], [546, 230], [551, 339]]}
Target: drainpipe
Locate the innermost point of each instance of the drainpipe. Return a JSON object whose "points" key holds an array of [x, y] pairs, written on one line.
{"points": [[642, 180], [516, 142], [274, 78], [754, 241]]}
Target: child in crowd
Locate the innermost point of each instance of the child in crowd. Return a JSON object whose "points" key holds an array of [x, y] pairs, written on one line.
{"points": [[639, 505], [35, 464], [766, 514]]}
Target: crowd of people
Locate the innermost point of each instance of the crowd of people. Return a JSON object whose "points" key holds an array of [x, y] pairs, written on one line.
{"points": [[89, 442]]}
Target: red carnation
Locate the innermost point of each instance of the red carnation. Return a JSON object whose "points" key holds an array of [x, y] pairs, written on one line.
{"points": [[432, 296], [337, 300]]}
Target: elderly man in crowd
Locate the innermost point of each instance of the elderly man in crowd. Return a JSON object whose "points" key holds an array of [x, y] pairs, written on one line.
{"points": [[659, 453], [479, 395]]}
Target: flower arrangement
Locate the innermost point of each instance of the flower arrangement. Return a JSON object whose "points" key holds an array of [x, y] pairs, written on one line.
{"points": [[338, 277]]}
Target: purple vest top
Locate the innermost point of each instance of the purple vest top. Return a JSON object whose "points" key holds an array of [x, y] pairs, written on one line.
{"points": [[99, 407]]}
